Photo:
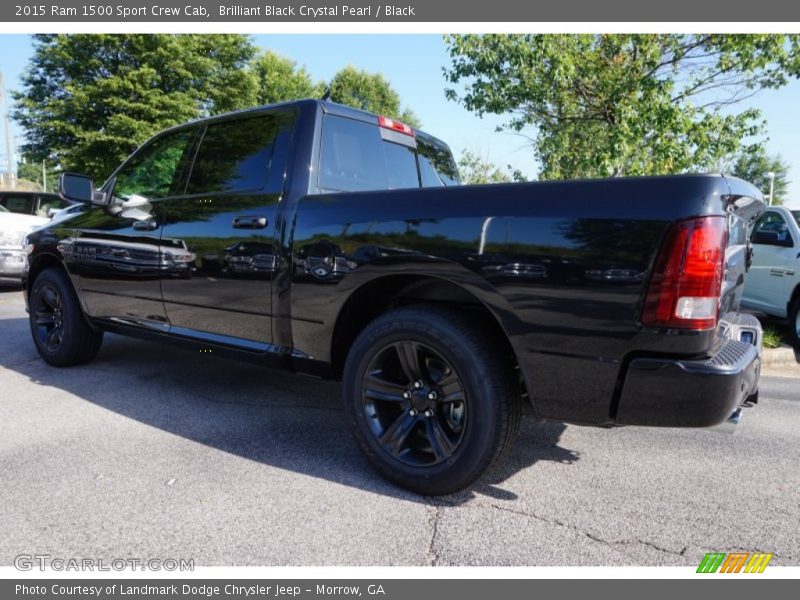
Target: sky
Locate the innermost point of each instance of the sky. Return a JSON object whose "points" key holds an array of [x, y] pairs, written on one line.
{"points": [[413, 65]]}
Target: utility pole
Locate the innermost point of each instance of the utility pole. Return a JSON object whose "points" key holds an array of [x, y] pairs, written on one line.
{"points": [[10, 167], [771, 176]]}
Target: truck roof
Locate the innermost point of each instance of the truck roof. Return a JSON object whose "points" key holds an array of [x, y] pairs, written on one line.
{"points": [[328, 107]]}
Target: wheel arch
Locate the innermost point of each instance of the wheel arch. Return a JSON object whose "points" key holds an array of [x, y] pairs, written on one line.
{"points": [[377, 296], [793, 298], [39, 263]]}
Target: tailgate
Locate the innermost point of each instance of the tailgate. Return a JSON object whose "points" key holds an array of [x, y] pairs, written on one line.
{"points": [[744, 205]]}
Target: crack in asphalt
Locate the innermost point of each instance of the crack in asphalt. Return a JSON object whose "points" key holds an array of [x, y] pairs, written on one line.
{"points": [[594, 538], [433, 555]]}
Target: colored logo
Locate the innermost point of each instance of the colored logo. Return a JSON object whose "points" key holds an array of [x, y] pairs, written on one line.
{"points": [[734, 562]]}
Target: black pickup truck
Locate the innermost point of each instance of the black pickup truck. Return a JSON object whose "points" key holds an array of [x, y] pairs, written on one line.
{"points": [[334, 242]]}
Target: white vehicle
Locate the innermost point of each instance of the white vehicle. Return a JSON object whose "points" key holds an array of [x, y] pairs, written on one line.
{"points": [[772, 285], [13, 229]]}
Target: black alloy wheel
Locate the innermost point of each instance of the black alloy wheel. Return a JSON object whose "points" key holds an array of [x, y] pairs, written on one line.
{"points": [[415, 403], [47, 317], [61, 333], [432, 397]]}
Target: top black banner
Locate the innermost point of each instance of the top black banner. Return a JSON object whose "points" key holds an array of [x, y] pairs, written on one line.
{"points": [[402, 11]]}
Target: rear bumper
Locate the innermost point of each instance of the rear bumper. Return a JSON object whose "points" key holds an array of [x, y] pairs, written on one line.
{"points": [[665, 392]]}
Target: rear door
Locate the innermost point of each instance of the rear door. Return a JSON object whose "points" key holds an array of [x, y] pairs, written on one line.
{"points": [[223, 230]]}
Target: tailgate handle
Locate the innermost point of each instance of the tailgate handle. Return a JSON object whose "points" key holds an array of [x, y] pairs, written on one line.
{"points": [[250, 222]]}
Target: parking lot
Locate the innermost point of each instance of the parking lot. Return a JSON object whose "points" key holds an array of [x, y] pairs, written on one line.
{"points": [[154, 452]]}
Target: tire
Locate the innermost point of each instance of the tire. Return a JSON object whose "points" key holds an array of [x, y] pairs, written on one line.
{"points": [[59, 328], [460, 419], [794, 323]]}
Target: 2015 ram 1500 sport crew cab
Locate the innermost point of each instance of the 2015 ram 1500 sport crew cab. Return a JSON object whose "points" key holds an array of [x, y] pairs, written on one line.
{"points": [[334, 242]]}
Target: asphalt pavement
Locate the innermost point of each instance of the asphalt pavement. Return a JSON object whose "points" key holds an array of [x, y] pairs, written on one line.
{"points": [[154, 452]]}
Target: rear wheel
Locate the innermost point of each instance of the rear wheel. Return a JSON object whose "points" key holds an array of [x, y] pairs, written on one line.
{"points": [[59, 328], [431, 401]]}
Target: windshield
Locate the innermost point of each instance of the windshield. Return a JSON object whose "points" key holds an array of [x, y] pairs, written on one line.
{"points": [[3, 208], [796, 214]]}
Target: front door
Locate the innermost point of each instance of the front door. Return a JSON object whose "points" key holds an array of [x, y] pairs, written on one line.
{"points": [[116, 250], [772, 272], [225, 224]]}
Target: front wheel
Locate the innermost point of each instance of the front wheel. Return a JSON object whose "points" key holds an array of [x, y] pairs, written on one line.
{"points": [[59, 328], [432, 402], [794, 322]]}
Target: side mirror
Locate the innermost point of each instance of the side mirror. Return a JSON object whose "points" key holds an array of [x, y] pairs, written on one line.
{"points": [[771, 238], [79, 188]]}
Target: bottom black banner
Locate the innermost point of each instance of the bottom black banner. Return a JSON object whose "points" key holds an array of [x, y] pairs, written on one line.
{"points": [[386, 589]]}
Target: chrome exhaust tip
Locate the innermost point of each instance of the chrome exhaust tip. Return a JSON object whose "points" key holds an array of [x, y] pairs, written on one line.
{"points": [[731, 424]]}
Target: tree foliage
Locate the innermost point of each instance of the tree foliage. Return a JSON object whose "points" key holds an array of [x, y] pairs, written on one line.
{"points": [[475, 169], [629, 104], [32, 171], [279, 79], [370, 92], [756, 166], [89, 100]]}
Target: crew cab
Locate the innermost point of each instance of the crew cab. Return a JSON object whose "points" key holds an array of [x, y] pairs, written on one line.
{"points": [[772, 285], [339, 243]]}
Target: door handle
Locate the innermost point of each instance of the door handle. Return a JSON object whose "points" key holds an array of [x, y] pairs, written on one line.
{"points": [[149, 225], [249, 222]]}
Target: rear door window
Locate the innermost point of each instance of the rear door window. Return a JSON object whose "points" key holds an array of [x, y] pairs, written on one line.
{"points": [[237, 156]]}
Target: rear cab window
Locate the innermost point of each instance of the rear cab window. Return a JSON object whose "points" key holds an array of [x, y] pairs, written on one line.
{"points": [[358, 156]]}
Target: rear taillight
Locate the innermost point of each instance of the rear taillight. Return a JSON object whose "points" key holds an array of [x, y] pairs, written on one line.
{"points": [[388, 123], [686, 284]]}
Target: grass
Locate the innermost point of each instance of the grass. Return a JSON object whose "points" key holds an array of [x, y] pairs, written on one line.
{"points": [[772, 338]]}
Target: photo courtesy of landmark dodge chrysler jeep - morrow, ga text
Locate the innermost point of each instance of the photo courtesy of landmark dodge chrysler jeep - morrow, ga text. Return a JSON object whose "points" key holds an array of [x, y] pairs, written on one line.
{"points": [[334, 242]]}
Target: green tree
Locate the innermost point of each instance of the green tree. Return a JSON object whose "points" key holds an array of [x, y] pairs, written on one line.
{"points": [[627, 104], [756, 166], [370, 92], [279, 79], [32, 171], [89, 100], [475, 169]]}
